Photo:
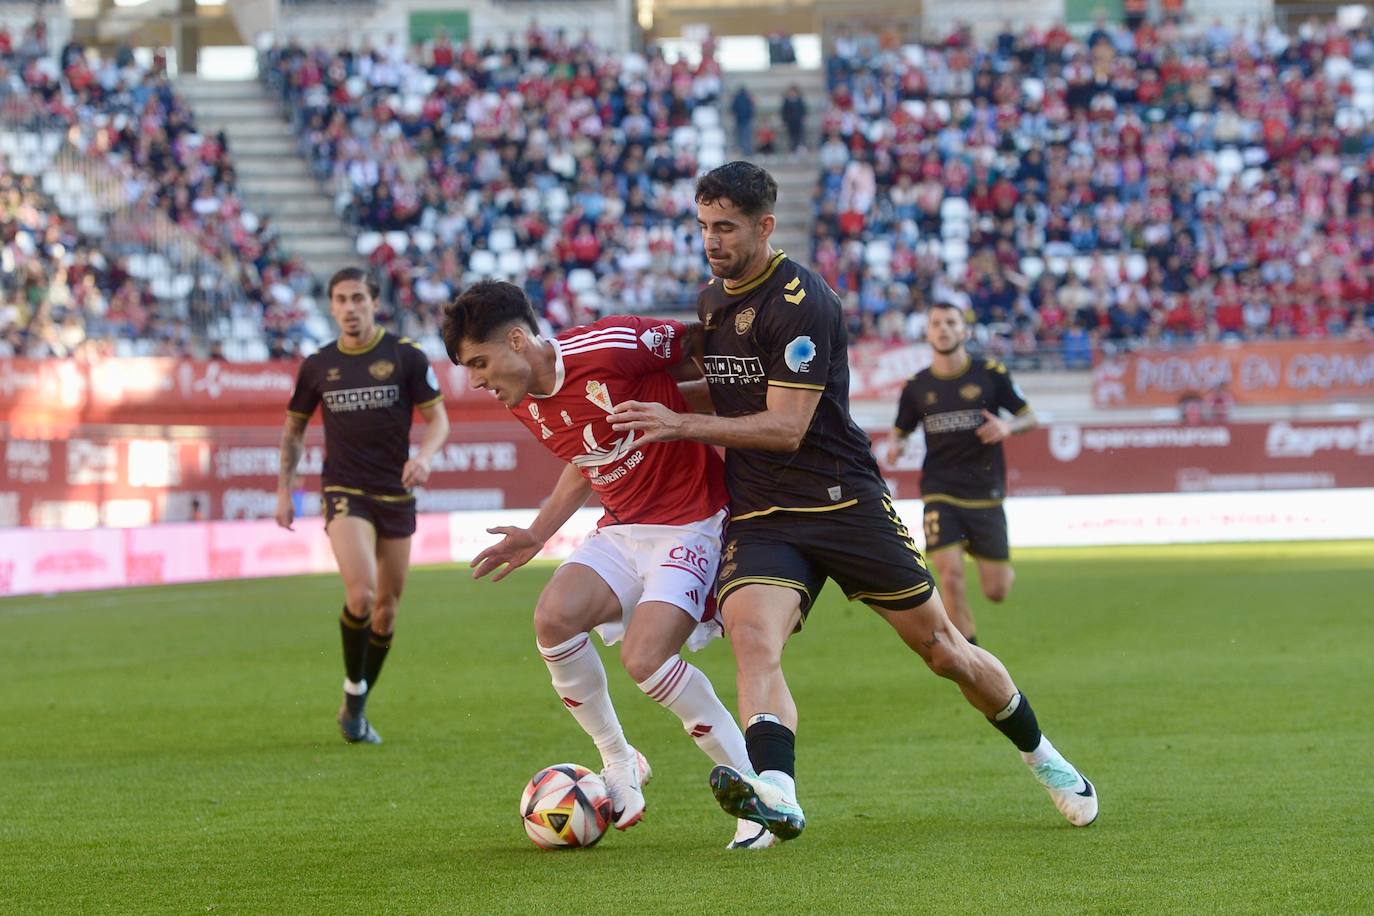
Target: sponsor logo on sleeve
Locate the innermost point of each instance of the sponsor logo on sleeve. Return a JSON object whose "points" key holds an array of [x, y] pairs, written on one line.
{"points": [[799, 354], [659, 341]]}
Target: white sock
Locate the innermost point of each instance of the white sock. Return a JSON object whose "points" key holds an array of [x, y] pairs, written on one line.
{"points": [[355, 688], [1043, 751], [688, 694], [580, 680], [788, 784]]}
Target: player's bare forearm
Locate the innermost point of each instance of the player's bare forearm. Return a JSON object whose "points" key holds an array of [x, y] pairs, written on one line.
{"points": [[436, 431], [779, 428], [569, 495], [292, 445], [1024, 422]]}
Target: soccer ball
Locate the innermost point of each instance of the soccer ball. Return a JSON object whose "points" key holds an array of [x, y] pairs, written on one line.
{"points": [[565, 806]]}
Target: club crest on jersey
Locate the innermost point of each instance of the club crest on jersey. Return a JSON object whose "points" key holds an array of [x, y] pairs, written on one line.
{"points": [[743, 320], [381, 369], [970, 392], [931, 397], [600, 395], [659, 341], [332, 375]]}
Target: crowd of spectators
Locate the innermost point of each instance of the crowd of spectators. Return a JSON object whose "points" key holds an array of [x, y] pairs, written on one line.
{"points": [[545, 159], [1172, 182], [177, 210]]}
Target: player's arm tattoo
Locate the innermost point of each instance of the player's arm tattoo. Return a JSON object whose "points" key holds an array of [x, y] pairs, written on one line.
{"points": [[292, 444]]}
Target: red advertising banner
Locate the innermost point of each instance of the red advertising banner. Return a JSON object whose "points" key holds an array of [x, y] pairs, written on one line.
{"points": [[97, 480], [49, 398], [1262, 372], [1066, 459], [46, 397]]}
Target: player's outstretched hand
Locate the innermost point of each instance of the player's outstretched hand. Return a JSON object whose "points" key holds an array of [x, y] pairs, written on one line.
{"points": [[654, 422], [995, 429], [286, 510], [415, 472], [514, 550]]}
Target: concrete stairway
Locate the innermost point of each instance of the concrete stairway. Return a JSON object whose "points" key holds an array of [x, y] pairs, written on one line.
{"points": [[796, 174], [273, 177]]}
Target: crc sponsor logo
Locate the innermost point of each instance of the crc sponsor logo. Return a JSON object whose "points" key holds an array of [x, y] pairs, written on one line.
{"points": [[348, 400], [1284, 440], [694, 559], [58, 383], [146, 568], [659, 341], [953, 421], [1067, 441], [214, 380], [9, 510], [473, 456], [733, 370], [262, 461], [26, 461], [91, 462]]}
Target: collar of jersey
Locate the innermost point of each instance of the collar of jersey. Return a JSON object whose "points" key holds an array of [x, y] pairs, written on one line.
{"points": [[747, 285], [559, 372], [968, 364], [350, 351]]}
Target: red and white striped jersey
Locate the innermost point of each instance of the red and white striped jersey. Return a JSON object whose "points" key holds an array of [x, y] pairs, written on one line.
{"points": [[625, 358]]}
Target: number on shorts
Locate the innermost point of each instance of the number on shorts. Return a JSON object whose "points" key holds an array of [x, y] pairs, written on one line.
{"points": [[931, 523]]}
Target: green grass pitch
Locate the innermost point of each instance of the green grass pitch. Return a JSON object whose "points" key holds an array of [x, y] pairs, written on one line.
{"points": [[174, 750]]}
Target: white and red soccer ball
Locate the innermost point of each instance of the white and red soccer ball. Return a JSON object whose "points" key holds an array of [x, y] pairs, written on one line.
{"points": [[565, 806]]}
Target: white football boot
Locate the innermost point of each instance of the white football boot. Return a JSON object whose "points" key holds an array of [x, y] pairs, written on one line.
{"points": [[624, 781], [749, 835], [755, 798], [1072, 793]]}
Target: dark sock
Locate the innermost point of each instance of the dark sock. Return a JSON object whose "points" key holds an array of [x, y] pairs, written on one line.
{"points": [[378, 644], [771, 746], [355, 632], [973, 640], [1020, 727]]}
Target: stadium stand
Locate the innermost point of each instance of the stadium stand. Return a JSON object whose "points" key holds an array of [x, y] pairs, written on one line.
{"points": [[1171, 183], [550, 162], [105, 176]]}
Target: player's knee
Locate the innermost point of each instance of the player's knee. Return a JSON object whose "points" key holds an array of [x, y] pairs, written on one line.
{"points": [[556, 621], [384, 616], [642, 661], [361, 599], [947, 660], [997, 587]]}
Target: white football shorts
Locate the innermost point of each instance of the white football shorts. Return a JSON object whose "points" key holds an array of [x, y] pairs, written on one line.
{"points": [[675, 564]]}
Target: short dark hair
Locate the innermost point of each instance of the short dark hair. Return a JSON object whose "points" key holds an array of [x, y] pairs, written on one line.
{"points": [[482, 310], [354, 273], [744, 184], [953, 307]]}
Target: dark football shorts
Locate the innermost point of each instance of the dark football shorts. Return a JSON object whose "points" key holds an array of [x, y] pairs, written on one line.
{"points": [[391, 516], [865, 548], [982, 531]]}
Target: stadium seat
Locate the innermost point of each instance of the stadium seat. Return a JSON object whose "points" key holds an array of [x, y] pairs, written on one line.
{"points": [[580, 280], [954, 250], [511, 263], [1082, 266], [1032, 267], [398, 239], [368, 242], [954, 208], [704, 116], [423, 239], [501, 240], [1136, 265], [482, 262], [954, 229], [1059, 267]]}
